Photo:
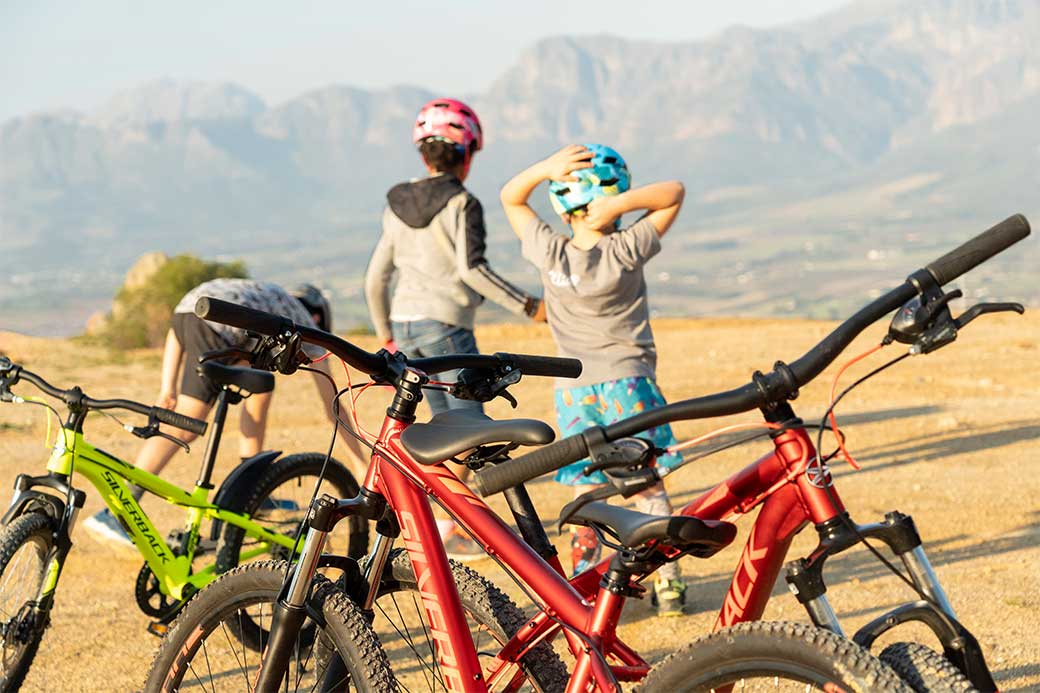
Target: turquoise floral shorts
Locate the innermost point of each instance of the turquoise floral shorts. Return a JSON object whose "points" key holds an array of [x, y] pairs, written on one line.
{"points": [[602, 404]]}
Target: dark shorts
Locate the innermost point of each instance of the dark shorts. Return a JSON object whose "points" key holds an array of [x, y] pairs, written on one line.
{"points": [[196, 338]]}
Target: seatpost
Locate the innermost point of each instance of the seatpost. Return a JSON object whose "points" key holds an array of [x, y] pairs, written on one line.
{"points": [[528, 522], [209, 457]]}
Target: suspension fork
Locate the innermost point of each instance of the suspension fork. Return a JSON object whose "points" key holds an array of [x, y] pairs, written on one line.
{"points": [[805, 575], [291, 608]]}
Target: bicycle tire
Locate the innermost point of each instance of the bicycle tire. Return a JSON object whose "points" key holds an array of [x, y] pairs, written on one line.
{"points": [[489, 608], [335, 617], [33, 530], [797, 651], [924, 669], [338, 482]]}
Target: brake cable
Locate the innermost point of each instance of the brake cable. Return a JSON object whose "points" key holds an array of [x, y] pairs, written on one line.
{"points": [[40, 402], [845, 519]]}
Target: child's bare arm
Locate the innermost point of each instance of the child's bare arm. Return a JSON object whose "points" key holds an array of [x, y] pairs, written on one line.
{"points": [[661, 200], [559, 166]]}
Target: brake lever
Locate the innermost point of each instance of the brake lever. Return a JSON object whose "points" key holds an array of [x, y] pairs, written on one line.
{"points": [[983, 308], [945, 331], [499, 387], [483, 386], [152, 430]]}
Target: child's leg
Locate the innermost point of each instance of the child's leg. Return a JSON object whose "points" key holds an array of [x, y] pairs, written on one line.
{"points": [[654, 501], [578, 408], [631, 396], [585, 547]]}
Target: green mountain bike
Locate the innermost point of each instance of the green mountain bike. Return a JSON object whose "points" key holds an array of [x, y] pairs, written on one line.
{"points": [[256, 512]]}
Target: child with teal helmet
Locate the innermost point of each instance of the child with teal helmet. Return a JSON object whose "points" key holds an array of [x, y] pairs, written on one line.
{"points": [[597, 308], [608, 175]]}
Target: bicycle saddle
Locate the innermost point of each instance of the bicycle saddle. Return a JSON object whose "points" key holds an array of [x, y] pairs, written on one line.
{"points": [[703, 538], [250, 380], [451, 432]]}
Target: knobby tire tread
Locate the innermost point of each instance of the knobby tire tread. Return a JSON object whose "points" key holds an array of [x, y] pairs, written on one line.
{"points": [[813, 649], [924, 669], [12, 537], [492, 608], [340, 616]]}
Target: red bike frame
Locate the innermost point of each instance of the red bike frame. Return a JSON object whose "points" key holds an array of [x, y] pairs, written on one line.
{"points": [[790, 498], [778, 482], [405, 484]]}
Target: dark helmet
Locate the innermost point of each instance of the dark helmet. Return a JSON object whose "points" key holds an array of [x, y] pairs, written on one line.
{"points": [[315, 302]]}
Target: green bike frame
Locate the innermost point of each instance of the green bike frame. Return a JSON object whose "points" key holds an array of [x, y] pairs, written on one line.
{"points": [[110, 475]]}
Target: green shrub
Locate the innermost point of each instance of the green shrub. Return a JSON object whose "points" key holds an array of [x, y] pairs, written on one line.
{"points": [[144, 312]]}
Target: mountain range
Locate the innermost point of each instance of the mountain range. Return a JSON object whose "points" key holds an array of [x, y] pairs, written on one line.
{"points": [[823, 161]]}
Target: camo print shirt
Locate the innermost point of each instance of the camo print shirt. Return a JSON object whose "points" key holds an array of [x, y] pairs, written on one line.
{"points": [[264, 296]]}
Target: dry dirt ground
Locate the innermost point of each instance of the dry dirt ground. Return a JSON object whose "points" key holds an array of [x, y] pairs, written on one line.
{"points": [[951, 438]]}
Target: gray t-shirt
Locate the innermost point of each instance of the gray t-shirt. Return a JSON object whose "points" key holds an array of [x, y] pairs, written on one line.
{"points": [[264, 296], [596, 299]]}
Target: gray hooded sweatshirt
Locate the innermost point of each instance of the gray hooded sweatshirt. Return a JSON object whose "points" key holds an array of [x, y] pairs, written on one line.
{"points": [[434, 240]]}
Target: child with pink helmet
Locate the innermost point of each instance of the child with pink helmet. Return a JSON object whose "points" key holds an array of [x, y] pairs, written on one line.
{"points": [[433, 241]]}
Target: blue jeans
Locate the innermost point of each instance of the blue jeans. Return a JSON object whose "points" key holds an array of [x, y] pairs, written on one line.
{"points": [[422, 338]]}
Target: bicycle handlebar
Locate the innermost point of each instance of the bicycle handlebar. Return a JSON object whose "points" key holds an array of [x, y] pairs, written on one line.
{"points": [[172, 418], [377, 364], [75, 397], [979, 249], [782, 382]]}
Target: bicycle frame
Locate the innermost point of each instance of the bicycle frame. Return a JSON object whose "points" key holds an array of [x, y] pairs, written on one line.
{"points": [[396, 475], [789, 501], [791, 498], [110, 476]]}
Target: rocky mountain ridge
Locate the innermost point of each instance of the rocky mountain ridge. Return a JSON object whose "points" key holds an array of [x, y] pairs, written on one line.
{"points": [[849, 132]]}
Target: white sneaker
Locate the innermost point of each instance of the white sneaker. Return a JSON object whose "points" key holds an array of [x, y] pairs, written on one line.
{"points": [[106, 528]]}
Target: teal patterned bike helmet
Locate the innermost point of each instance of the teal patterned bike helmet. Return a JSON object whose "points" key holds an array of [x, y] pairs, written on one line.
{"points": [[607, 176]]}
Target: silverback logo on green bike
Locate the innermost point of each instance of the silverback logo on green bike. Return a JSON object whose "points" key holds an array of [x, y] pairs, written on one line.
{"points": [[134, 511]]}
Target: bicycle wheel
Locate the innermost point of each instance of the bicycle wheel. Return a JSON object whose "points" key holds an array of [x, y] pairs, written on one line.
{"points": [[25, 544], [279, 501], [204, 649], [493, 619], [924, 669], [764, 656]]}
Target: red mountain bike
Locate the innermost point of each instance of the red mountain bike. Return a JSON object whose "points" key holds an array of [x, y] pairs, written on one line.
{"points": [[310, 637], [315, 639], [792, 484]]}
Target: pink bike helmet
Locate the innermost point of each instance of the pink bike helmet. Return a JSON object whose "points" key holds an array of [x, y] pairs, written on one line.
{"points": [[450, 120]]}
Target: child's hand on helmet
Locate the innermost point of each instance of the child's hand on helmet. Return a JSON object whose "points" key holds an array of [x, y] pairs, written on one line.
{"points": [[601, 212], [560, 165]]}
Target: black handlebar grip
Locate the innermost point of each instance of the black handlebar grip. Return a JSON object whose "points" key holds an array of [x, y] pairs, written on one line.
{"points": [[216, 310], [549, 366], [179, 420], [492, 480], [979, 249]]}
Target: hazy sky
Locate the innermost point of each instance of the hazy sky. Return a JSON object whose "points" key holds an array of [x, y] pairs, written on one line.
{"points": [[76, 54]]}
